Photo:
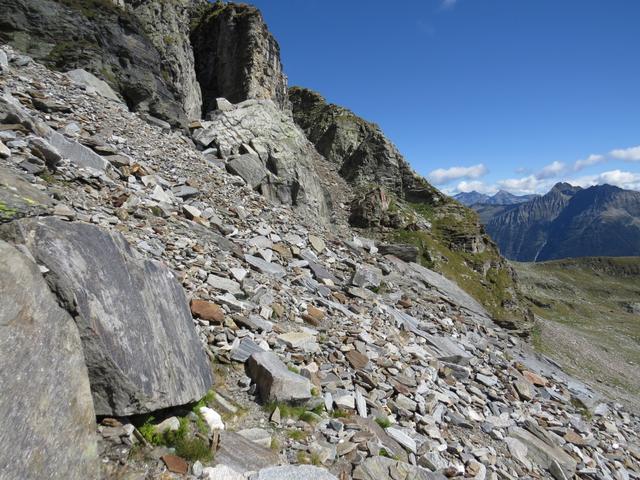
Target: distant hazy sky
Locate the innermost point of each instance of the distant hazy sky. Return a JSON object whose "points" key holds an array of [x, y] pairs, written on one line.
{"points": [[480, 94]]}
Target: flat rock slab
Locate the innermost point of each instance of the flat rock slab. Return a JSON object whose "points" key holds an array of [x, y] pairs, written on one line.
{"points": [[543, 454], [265, 267], [249, 168], [294, 472], [383, 468], [274, 381], [18, 198], [47, 426], [86, 79], [78, 154], [243, 455], [140, 344]]}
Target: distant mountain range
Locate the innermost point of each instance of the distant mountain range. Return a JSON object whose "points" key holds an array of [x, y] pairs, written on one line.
{"points": [[501, 198], [567, 222]]}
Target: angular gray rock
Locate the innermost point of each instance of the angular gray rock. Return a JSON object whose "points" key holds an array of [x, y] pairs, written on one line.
{"points": [[274, 381], [77, 153], [383, 468], [243, 455], [249, 168], [543, 454], [47, 426], [294, 472], [139, 340], [282, 148], [236, 57], [87, 79], [18, 198]]}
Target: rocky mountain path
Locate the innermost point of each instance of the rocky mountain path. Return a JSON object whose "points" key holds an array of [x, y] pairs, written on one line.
{"points": [[330, 360]]}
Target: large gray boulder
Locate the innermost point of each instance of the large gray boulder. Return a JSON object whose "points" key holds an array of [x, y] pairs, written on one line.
{"points": [[47, 421], [294, 472], [260, 128], [140, 344], [274, 381]]}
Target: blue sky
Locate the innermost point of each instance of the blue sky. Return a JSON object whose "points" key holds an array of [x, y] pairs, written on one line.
{"points": [[480, 94]]}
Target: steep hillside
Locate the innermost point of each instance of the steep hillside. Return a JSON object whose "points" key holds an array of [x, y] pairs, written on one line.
{"points": [[138, 270], [396, 204], [569, 222], [589, 310]]}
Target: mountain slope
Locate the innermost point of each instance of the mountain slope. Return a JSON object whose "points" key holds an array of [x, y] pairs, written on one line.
{"points": [[570, 222], [588, 310], [396, 204]]}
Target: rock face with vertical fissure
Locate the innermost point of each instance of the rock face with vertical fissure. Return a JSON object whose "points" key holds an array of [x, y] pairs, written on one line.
{"points": [[139, 341]]}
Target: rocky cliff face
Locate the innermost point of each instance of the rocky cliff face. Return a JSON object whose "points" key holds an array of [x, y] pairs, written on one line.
{"points": [[140, 49], [359, 148], [236, 56], [170, 58]]}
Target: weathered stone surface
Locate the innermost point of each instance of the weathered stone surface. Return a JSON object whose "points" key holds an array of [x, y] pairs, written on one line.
{"points": [[92, 83], [207, 311], [408, 253], [140, 345], [249, 168], [243, 455], [359, 148], [78, 154], [282, 148], [543, 454], [383, 468], [47, 421], [294, 472], [274, 381], [265, 267], [18, 198]]}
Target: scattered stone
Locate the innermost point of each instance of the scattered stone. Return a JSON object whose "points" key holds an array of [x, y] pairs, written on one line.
{"points": [[207, 311], [176, 464], [274, 381]]}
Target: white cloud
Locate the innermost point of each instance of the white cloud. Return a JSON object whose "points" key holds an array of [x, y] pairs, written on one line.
{"points": [[619, 178], [552, 170], [631, 154], [589, 161], [524, 185], [445, 175], [475, 185], [449, 3]]}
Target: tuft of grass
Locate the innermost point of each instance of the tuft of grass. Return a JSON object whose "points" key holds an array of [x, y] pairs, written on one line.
{"points": [[384, 422], [187, 446], [294, 412], [297, 435], [275, 444], [339, 413]]}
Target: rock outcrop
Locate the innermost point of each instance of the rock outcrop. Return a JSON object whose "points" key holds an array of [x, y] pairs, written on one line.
{"points": [[168, 58], [140, 346], [360, 149], [236, 57], [47, 426], [140, 49], [265, 147]]}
